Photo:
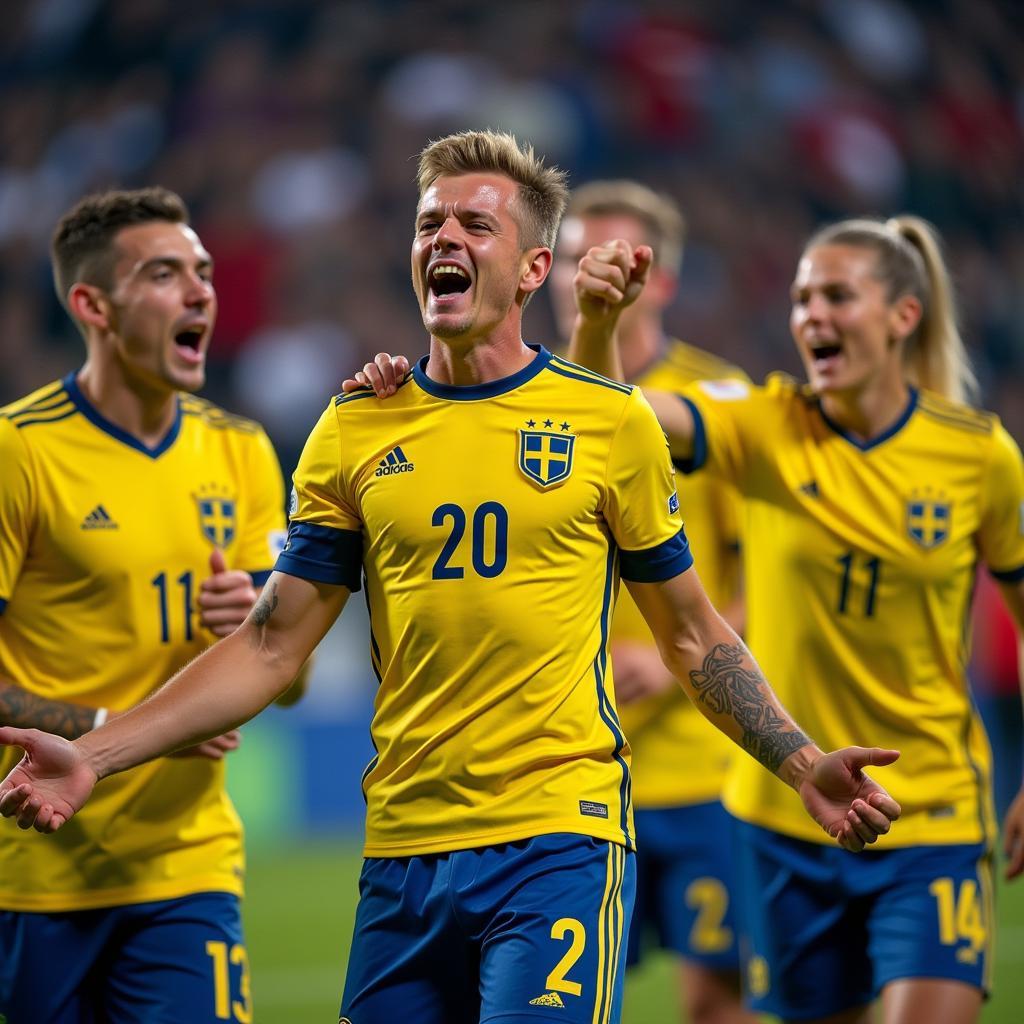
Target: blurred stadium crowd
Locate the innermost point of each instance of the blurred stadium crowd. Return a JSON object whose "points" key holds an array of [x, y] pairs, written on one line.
{"points": [[290, 127]]}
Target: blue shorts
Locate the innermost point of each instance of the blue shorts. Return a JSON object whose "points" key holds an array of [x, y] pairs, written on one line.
{"points": [[162, 963], [825, 930], [519, 932], [685, 885]]}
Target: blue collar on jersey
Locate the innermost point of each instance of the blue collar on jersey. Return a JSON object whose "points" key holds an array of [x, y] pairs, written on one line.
{"points": [[93, 416], [884, 436], [470, 392]]}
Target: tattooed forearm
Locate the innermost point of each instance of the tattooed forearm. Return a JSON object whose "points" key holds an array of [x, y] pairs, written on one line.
{"points": [[727, 686], [25, 710]]}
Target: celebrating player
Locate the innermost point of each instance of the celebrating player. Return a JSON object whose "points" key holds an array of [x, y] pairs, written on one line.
{"points": [[491, 506], [870, 494], [125, 500]]}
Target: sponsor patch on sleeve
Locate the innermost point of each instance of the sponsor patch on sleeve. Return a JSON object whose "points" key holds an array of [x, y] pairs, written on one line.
{"points": [[725, 390]]}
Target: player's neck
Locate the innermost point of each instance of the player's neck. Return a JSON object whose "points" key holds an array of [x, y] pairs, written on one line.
{"points": [[145, 412], [641, 344], [868, 412], [481, 361]]}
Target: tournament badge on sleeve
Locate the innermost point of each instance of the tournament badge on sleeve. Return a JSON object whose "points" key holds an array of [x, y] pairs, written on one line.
{"points": [[216, 517], [545, 457]]}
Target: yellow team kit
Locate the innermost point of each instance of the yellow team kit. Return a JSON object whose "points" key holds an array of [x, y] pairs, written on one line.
{"points": [[491, 524], [860, 564], [103, 546]]}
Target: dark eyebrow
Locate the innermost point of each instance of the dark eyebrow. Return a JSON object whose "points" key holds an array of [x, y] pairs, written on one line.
{"points": [[175, 263]]}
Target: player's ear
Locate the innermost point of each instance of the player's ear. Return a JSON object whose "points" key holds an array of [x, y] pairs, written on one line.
{"points": [[904, 316], [89, 305], [534, 268]]}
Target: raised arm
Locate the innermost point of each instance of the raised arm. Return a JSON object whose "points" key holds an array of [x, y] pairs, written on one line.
{"points": [[609, 279], [224, 687], [723, 680]]}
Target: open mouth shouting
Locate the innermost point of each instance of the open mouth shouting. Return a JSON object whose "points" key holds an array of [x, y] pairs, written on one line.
{"points": [[446, 281], [188, 342], [825, 356]]}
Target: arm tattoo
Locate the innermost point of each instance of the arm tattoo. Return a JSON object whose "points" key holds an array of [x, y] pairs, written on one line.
{"points": [[729, 687], [25, 710], [265, 606]]}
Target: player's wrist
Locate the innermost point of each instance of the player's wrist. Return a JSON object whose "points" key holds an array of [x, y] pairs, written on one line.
{"points": [[101, 716], [597, 326], [795, 770]]}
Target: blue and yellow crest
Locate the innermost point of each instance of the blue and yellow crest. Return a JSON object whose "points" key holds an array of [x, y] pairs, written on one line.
{"points": [[217, 518], [928, 520], [546, 457]]}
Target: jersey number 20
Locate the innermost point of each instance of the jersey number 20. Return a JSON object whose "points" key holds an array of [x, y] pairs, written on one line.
{"points": [[488, 534]]}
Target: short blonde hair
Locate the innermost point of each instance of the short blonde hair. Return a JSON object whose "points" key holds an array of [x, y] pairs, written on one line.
{"points": [[543, 191], [909, 262], [660, 216]]}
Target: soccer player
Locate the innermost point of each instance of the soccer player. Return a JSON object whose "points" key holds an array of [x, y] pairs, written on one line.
{"points": [[684, 868], [136, 522], [871, 492], [491, 506], [678, 762]]}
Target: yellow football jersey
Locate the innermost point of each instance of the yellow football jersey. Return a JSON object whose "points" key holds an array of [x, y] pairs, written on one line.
{"points": [[859, 564], [103, 546], [491, 524], [678, 756]]}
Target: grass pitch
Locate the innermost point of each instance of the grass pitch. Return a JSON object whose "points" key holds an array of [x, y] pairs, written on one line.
{"points": [[299, 915]]}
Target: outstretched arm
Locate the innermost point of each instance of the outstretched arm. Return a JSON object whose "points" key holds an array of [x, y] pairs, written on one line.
{"points": [[226, 597], [1013, 827], [224, 687], [723, 680]]}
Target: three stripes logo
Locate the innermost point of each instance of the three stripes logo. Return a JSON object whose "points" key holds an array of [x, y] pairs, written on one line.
{"points": [[548, 999], [98, 519], [394, 462]]}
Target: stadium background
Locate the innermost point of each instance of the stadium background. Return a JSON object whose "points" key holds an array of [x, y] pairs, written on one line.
{"points": [[291, 128]]}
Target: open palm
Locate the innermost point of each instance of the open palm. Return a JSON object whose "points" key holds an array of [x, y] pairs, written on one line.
{"points": [[48, 785], [849, 805]]}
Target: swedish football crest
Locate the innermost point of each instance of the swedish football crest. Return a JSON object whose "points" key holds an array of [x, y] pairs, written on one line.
{"points": [[546, 457], [928, 520], [217, 518]]}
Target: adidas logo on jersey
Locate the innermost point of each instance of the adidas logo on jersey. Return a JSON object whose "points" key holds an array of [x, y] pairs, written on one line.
{"points": [[98, 519], [548, 999], [394, 462]]}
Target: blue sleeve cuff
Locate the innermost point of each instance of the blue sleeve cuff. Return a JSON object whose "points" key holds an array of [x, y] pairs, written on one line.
{"points": [[1008, 575], [662, 562], [323, 554], [700, 441], [260, 577]]}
